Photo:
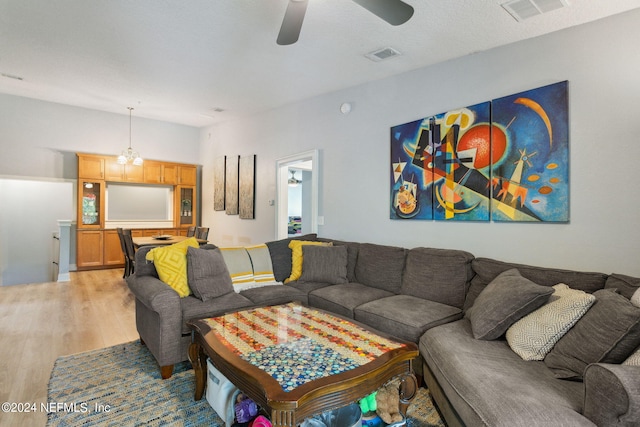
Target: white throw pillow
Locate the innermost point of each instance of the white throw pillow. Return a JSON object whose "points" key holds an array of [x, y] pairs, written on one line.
{"points": [[635, 298], [533, 336], [634, 359]]}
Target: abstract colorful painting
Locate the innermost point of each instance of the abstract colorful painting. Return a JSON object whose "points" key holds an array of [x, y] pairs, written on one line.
{"points": [[469, 164], [531, 180]]}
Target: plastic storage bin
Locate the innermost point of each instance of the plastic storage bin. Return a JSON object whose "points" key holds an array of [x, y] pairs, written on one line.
{"points": [[221, 394]]}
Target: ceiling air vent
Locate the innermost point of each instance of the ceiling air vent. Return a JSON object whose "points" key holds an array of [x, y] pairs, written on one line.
{"points": [[525, 9], [382, 54]]}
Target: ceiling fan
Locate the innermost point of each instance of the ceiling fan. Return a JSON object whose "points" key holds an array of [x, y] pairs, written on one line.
{"points": [[395, 12], [293, 181]]}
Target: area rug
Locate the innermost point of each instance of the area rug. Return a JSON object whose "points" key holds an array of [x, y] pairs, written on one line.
{"points": [[121, 386]]}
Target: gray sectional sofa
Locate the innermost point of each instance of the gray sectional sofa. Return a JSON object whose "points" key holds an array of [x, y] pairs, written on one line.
{"points": [[423, 295]]}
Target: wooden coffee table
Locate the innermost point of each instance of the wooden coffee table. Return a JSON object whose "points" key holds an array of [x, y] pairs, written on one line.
{"points": [[295, 361]]}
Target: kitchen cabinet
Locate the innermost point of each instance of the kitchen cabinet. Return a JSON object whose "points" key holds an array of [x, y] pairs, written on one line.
{"points": [[89, 248], [112, 255], [185, 206], [90, 203], [91, 167], [160, 173], [98, 247], [123, 173], [187, 175]]}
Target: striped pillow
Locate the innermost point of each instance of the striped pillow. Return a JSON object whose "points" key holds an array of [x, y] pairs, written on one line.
{"points": [[240, 268], [262, 267]]}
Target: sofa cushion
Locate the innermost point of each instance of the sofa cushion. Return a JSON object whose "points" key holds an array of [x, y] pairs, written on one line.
{"points": [[380, 266], [324, 264], [490, 385], [307, 287], [193, 308], [440, 275], [275, 295], [609, 332], [533, 336], [207, 273], [297, 257], [171, 264], [625, 285], [487, 269], [352, 255], [143, 266], [281, 255], [391, 315], [505, 300], [342, 299]]}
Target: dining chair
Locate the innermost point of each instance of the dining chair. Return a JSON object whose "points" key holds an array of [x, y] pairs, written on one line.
{"points": [[191, 231], [202, 233], [124, 251], [129, 252]]}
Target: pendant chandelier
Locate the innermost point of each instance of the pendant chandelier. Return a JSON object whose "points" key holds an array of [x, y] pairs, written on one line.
{"points": [[129, 155]]}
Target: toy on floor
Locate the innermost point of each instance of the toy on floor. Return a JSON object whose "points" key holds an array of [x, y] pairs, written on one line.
{"points": [[246, 410], [388, 403], [368, 408]]}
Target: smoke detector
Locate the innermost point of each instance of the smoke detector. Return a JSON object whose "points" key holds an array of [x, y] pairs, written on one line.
{"points": [[525, 9]]}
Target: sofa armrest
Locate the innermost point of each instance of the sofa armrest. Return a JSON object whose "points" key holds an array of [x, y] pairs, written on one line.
{"points": [[612, 394], [155, 294]]}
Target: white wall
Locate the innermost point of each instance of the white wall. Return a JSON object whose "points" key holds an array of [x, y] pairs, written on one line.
{"points": [[600, 60], [38, 142], [40, 139], [28, 218]]}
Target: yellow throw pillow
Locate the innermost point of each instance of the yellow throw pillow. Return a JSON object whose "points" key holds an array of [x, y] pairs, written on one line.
{"points": [[171, 264], [296, 257]]}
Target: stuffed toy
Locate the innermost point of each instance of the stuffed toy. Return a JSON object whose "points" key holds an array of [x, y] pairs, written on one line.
{"points": [[246, 410], [388, 403]]}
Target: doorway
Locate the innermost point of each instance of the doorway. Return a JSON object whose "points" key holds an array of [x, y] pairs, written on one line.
{"points": [[297, 194]]}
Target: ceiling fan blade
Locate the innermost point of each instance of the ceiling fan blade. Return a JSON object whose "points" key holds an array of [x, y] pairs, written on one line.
{"points": [[292, 22], [395, 12]]}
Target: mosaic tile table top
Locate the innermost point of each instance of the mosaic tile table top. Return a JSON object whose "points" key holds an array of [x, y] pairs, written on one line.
{"points": [[296, 361], [296, 344]]}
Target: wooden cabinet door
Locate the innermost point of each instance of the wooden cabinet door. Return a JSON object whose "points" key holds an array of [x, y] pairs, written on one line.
{"points": [[89, 249], [112, 249], [152, 172], [187, 175], [133, 173], [185, 206], [114, 171], [170, 174], [90, 167]]}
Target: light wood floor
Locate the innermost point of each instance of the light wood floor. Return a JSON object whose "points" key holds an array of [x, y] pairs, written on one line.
{"points": [[41, 322]]}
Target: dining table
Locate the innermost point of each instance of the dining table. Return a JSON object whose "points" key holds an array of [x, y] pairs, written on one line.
{"points": [[138, 242]]}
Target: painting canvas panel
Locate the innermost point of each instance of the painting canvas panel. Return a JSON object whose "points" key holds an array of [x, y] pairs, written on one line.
{"points": [[441, 166], [531, 180], [247, 187], [231, 185], [219, 183], [410, 196]]}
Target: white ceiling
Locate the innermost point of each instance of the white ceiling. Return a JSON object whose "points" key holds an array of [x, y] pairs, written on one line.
{"points": [[180, 60]]}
